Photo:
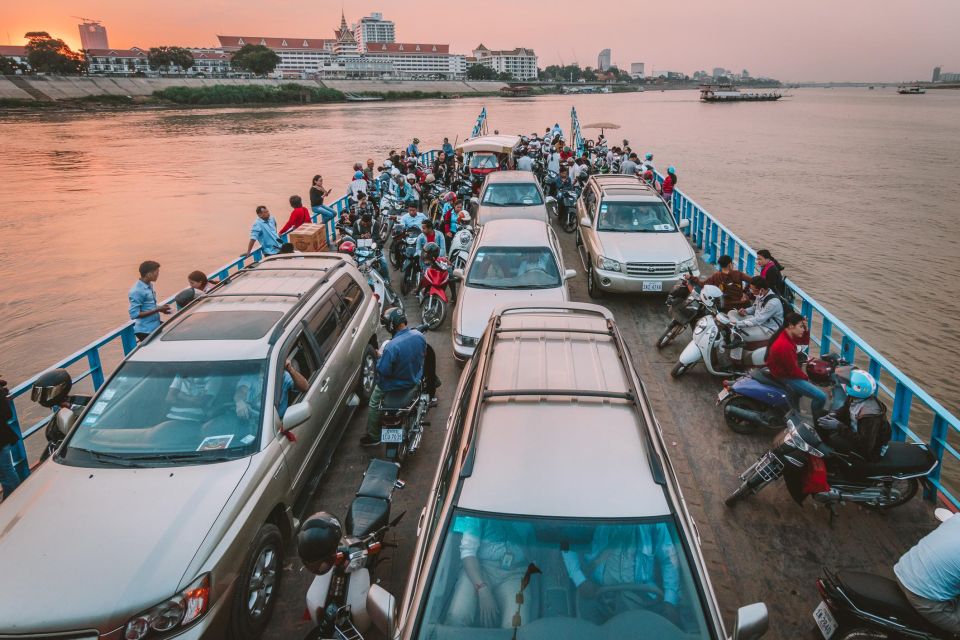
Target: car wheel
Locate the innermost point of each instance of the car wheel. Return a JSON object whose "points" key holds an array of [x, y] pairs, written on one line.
{"points": [[257, 586], [368, 374], [593, 290]]}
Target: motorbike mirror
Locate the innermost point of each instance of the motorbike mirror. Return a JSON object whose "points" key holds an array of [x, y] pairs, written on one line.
{"points": [[752, 622], [458, 274], [569, 273], [382, 607], [296, 415], [942, 514], [684, 224]]}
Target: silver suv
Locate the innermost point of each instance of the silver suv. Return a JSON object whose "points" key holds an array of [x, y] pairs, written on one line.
{"points": [[168, 508], [555, 510], [628, 240]]}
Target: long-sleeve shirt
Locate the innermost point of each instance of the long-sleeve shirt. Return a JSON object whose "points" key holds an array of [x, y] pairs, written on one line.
{"points": [[142, 298], [422, 241], [494, 540], [401, 365], [298, 216], [767, 312], [931, 569], [782, 359]]}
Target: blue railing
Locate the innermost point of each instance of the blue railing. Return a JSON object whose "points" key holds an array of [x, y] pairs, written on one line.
{"points": [[915, 414], [575, 132], [121, 341]]}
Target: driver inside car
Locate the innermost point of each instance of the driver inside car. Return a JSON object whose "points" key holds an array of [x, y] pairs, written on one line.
{"points": [[244, 408], [622, 556]]}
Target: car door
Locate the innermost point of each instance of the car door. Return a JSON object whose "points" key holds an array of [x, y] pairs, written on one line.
{"points": [[299, 351], [558, 254], [586, 208], [352, 311]]}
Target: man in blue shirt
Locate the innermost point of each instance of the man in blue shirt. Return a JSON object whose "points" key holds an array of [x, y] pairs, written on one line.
{"points": [[447, 148], [400, 368], [929, 575], [412, 150], [412, 218], [264, 231], [144, 310]]}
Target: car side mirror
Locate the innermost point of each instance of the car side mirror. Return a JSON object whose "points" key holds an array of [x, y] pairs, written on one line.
{"points": [[382, 607], [752, 622], [569, 273], [458, 274], [584, 221], [296, 415], [684, 224]]}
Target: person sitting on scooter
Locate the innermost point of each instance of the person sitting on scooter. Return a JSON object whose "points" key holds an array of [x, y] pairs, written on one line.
{"points": [[399, 368], [430, 235], [929, 576], [782, 362], [430, 256], [732, 282], [761, 319], [859, 426], [412, 218]]}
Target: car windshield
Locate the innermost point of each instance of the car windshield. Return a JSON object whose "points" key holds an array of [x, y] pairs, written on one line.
{"points": [[521, 194], [514, 268], [584, 579], [162, 412], [483, 161], [646, 217]]}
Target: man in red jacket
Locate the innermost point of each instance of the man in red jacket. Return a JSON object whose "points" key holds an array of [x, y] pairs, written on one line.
{"points": [[782, 362]]}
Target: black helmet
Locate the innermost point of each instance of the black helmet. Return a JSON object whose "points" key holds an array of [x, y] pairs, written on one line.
{"points": [[431, 250], [51, 388], [393, 318], [317, 542], [185, 297]]}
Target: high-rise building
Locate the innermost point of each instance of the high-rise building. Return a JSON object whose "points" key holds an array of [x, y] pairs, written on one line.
{"points": [[936, 74], [93, 35], [603, 60], [719, 72], [637, 71], [521, 63], [373, 28]]}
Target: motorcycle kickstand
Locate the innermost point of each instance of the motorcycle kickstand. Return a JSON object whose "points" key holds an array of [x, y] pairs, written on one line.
{"points": [[833, 513]]}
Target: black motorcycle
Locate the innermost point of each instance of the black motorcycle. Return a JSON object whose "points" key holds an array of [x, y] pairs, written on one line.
{"points": [[402, 419], [685, 307], [411, 261], [567, 207]]}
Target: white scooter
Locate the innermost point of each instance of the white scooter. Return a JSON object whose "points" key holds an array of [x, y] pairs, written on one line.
{"points": [[723, 349], [460, 246]]}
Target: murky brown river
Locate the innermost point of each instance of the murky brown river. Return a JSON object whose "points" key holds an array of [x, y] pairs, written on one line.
{"points": [[857, 192]]}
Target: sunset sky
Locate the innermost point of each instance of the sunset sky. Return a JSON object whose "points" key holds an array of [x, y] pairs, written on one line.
{"points": [[868, 40]]}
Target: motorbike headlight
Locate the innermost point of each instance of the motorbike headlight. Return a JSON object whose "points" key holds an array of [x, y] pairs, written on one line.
{"points": [[179, 611], [608, 264], [464, 341], [794, 439]]}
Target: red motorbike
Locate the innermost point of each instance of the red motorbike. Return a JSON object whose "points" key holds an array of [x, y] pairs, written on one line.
{"points": [[433, 293]]}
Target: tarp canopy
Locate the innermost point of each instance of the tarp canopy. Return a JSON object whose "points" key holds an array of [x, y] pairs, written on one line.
{"points": [[492, 144]]}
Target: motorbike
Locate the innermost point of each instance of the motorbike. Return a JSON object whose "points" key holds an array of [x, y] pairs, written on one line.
{"points": [[686, 307], [460, 247], [858, 605], [433, 299], [721, 347], [367, 256], [411, 261], [883, 484], [52, 391], [337, 597], [402, 416], [567, 207]]}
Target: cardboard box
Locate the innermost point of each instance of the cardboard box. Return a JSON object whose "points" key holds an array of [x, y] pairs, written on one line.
{"points": [[309, 237]]}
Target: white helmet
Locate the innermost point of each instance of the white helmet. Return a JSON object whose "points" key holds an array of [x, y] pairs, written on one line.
{"points": [[711, 296], [466, 217], [394, 172], [387, 164]]}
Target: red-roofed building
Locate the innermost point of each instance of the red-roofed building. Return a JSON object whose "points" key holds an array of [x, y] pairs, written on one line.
{"points": [[105, 62]]}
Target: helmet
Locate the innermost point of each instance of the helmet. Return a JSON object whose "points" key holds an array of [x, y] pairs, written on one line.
{"points": [[671, 170], [431, 250], [861, 385], [348, 247], [388, 164], [465, 216], [430, 179], [317, 542], [185, 297], [450, 197], [394, 172], [411, 177], [393, 318], [416, 141], [818, 370], [358, 175], [51, 388], [649, 156], [711, 296]]}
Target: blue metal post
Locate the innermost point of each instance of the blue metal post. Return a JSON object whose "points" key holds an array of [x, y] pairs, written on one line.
{"points": [[825, 334], [20, 462], [751, 264], [848, 349], [901, 411], [96, 368], [938, 437], [129, 339]]}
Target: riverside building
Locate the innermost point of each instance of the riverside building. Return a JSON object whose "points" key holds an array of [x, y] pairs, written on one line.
{"points": [[521, 63], [374, 29]]}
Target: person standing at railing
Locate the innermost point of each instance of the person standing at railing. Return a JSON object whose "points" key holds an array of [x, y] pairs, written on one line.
{"points": [[447, 148], [9, 478], [264, 231], [144, 310], [412, 149], [772, 272], [317, 194], [668, 186], [299, 216]]}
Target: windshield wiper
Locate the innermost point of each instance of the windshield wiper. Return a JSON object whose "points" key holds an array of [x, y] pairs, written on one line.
{"points": [[125, 461], [481, 285], [185, 456], [533, 286]]}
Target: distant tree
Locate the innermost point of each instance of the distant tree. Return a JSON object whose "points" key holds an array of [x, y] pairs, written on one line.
{"points": [[505, 76], [480, 72], [589, 75], [255, 58], [163, 58], [49, 55]]}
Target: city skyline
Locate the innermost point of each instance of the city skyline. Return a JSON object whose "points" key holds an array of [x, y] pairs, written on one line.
{"points": [[858, 41]]}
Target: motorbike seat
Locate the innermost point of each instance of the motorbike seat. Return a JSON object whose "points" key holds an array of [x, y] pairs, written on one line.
{"points": [[764, 376], [400, 400], [379, 479], [367, 514], [881, 597], [900, 457]]}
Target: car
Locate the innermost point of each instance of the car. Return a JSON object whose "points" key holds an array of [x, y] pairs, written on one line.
{"points": [[555, 511], [168, 508], [511, 195], [510, 261], [628, 240]]}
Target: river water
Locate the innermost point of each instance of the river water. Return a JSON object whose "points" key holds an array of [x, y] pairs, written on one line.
{"points": [[855, 191]]}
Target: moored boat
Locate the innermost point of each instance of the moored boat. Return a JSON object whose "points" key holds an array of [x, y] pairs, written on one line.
{"points": [[912, 90], [729, 93]]}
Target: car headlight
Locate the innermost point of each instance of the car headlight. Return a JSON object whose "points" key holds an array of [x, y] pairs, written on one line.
{"points": [[464, 341], [794, 439], [608, 264], [179, 611], [689, 263]]}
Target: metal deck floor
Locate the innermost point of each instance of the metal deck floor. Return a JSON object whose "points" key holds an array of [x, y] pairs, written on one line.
{"points": [[767, 548]]}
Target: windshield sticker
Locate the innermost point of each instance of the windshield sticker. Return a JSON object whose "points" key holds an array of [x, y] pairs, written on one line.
{"points": [[89, 421], [108, 394], [603, 208], [662, 227], [527, 201], [247, 439], [213, 443], [98, 408]]}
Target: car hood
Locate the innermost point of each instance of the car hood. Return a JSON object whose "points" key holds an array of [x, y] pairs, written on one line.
{"points": [[533, 212], [90, 547], [474, 306], [645, 247]]}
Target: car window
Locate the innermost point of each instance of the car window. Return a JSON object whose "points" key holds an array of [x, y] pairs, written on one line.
{"points": [[512, 195], [301, 357], [642, 217], [590, 201], [324, 327], [152, 411], [639, 582], [514, 268], [458, 424], [351, 296], [483, 161]]}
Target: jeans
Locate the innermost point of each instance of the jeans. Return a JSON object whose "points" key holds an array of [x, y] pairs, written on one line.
{"points": [[9, 478], [945, 615], [326, 213], [818, 398], [503, 583], [373, 413]]}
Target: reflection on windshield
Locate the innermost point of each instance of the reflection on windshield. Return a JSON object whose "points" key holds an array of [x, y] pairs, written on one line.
{"points": [[512, 195], [578, 579], [483, 161], [635, 216], [514, 268], [195, 409]]}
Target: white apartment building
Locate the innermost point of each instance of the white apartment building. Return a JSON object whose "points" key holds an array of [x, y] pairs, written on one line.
{"points": [[414, 60], [637, 70], [298, 56], [521, 63], [374, 28], [126, 62]]}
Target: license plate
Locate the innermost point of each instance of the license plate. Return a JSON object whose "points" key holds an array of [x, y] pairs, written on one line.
{"points": [[653, 286], [825, 620], [722, 395], [391, 435]]}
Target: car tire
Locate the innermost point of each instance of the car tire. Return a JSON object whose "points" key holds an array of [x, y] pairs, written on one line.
{"points": [[257, 587], [593, 289], [368, 374]]}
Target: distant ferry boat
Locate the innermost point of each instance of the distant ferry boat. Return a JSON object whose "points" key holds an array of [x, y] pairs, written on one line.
{"points": [[911, 91], [729, 93]]}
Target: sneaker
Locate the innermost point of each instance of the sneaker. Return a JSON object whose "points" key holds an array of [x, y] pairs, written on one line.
{"points": [[368, 441]]}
